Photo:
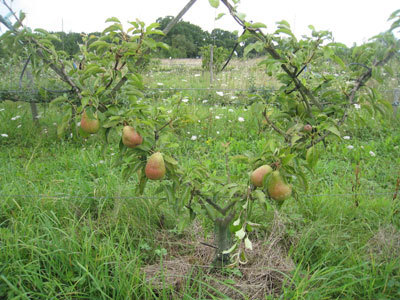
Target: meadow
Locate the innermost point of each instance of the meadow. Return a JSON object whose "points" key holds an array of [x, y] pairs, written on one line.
{"points": [[72, 228]]}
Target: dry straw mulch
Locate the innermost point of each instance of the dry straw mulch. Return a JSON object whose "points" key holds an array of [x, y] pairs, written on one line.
{"points": [[188, 265]]}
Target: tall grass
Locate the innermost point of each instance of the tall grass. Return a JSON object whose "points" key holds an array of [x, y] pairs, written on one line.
{"points": [[71, 228]]}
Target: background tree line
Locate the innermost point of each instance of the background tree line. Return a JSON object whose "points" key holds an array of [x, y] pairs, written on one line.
{"points": [[185, 40]]}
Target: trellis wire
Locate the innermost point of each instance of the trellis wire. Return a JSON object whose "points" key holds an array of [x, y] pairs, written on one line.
{"points": [[64, 196]]}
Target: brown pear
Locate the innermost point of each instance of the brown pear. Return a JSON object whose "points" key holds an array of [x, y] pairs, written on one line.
{"points": [[155, 167], [307, 128], [89, 125], [259, 174], [130, 137], [277, 188]]}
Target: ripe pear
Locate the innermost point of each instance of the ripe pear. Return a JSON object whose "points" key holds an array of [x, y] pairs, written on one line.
{"points": [[277, 188], [89, 125], [130, 137], [155, 167], [307, 128], [259, 174]]}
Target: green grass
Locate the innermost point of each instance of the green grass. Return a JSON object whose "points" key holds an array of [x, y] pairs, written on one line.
{"points": [[71, 228]]}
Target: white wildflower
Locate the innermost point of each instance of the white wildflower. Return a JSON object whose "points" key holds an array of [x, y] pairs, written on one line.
{"points": [[350, 147], [346, 137], [4, 135], [19, 126], [240, 119], [169, 111], [357, 106], [233, 97], [15, 118], [205, 101], [372, 154], [184, 80], [217, 132], [217, 117], [230, 110], [220, 93], [160, 83], [2, 109], [193, 138], [197, 75], [185, 100], [101, 162]]}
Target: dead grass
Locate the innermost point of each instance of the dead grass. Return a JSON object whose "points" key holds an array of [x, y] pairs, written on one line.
{"points": [[189, 264], [385, 244]]}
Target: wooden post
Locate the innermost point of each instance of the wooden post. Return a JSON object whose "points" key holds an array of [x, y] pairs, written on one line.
{"points": [[396, 101], [34, 109], [211, 64]]}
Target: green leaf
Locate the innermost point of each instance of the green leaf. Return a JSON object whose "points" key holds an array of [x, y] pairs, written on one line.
{"points": [[262, 199], [170, 160], [214, 3], [241, 16], [338, 60], [113, 19], [286, 31], [248, 49], [334, 130], [258, 25], [312, 156], [303, 179], [220, 15], [58, 100]]}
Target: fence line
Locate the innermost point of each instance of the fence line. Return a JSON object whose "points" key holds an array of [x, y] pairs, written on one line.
{"points": [[63, 196]]}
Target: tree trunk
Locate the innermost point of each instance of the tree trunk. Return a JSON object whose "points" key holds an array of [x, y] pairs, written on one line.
{"points": [[223, 240]]}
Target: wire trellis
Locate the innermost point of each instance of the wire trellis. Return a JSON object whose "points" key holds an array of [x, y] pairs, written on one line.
{"points": [[74, 197]]}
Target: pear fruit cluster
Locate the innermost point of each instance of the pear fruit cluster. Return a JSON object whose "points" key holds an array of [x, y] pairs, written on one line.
{"points": [[89, 125], [130, 137], [277, 188], [155, 167]]}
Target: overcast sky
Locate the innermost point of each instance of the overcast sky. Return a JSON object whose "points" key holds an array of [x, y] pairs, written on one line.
{"points": [[349, 20]]}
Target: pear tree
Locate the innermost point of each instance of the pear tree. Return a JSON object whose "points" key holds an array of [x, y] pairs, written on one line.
{"points": [[309, 108]]}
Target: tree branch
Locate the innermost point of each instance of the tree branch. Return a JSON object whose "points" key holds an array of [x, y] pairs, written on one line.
{"points": [[360, 82], [276, 128]]}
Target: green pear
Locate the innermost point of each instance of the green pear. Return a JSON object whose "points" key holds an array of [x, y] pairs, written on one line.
{"points": [[259, 174], [89, 125], [155, 167], [130, 137], [277, 188]]}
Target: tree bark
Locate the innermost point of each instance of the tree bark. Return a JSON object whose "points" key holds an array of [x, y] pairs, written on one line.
{"points": [[178, 17]]}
